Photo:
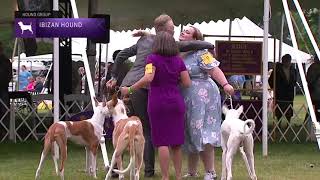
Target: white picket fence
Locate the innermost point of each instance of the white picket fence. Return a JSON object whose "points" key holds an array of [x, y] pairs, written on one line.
{"points": [[25, 120]]}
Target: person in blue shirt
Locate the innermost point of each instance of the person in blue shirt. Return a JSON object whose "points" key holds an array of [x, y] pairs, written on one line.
{"points": [[23, 78], [237, 81]]}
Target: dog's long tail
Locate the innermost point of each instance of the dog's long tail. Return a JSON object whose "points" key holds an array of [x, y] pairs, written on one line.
{"points": [[247, 131], [132, 133]]}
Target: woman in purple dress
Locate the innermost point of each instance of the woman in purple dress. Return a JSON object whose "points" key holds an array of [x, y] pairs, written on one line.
{"points": [[164, 71]]}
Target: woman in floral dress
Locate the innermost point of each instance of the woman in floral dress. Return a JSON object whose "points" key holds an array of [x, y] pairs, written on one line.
{"points": [[203, 116]]}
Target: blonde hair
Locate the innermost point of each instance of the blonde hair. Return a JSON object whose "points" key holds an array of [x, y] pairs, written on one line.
{"points": [[161, 21], [197, 35]]}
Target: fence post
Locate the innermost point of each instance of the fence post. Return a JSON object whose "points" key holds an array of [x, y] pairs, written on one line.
{"points": [[12, 126]]}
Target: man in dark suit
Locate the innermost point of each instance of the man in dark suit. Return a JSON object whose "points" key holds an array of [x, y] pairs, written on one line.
{"points": [[313, 79], [6, 75], [139, 98], [285, 81]]}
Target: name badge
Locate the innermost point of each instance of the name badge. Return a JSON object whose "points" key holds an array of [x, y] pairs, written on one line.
{"points": [[207, 58], [149, 68]]}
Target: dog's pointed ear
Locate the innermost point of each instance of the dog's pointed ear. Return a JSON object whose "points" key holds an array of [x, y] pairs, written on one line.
{"points": [[240, 110], [96, 102], [225, 109]]}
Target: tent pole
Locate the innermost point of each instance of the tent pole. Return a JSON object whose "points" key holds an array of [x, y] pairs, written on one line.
{"points": [[265, 79], [56, 96], [274, 49], [18, 70], [302, 75], [230, 29], [106, 65], [99, 71], [281, 36]]}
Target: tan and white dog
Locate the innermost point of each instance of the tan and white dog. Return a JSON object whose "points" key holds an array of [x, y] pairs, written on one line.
{"points": [[128, 133], [86, 132], [235, 134]]}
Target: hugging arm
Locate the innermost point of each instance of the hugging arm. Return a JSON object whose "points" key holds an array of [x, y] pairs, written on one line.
{"points": [[121, 58], [194, 45]]}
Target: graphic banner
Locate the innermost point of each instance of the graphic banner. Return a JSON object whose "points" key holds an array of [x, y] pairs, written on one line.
{"points": [[92, 28]]}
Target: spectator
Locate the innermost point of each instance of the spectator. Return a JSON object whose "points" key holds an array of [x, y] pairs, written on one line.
{"points": [[83, 81], [24, 78], [6, 75], [38, 84], [237, 81], [313, 79], [30, 86], [76, 87], [285, 80]]}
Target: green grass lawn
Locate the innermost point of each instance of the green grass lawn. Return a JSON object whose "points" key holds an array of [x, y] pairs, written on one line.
{"points": [[285, 161]]}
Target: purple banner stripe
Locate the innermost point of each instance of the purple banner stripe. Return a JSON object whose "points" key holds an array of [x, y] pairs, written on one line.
{"points": [[61, 27]]}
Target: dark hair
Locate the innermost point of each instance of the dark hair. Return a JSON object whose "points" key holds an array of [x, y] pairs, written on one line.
{"points": [[161, 21], [286, 58], [165, 45], [115, 53], [197, 35]]}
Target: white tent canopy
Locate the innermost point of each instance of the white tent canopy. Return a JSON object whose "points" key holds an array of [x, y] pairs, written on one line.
{"points": [[31, 63], [35, 63], [122, 40], [240, 27]]}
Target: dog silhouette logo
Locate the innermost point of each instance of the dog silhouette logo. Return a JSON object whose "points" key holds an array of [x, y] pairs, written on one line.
{"points": [[25, 27]]}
